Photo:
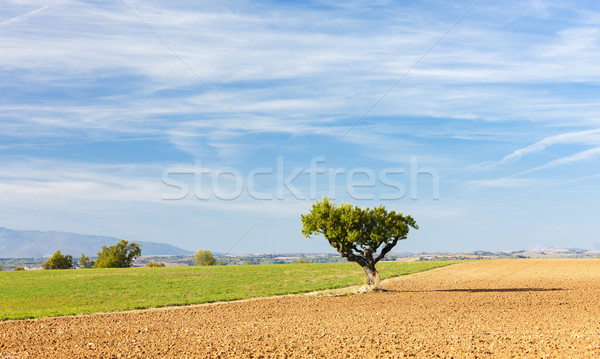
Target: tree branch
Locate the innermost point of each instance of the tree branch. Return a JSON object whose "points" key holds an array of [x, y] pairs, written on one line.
{"points": [[388, 247], [347, 253]]}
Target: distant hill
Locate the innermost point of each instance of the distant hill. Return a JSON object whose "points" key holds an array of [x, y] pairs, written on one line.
{"points": [[36, 244]]}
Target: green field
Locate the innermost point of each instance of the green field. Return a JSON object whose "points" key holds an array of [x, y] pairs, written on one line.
{"points": [[33, 294]]}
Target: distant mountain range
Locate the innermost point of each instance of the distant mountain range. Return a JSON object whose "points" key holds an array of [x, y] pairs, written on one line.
{"points": [[36, 244]]}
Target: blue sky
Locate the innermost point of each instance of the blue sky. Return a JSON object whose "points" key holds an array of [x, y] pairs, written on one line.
{"points": [[197, 125]]}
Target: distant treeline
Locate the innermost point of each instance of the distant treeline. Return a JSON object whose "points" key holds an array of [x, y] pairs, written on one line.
{"points": [[245, 259], [11, 263], [188, 260]]}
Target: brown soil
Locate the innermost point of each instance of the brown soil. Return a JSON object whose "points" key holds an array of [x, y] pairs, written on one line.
{"points": [[503, 308]]}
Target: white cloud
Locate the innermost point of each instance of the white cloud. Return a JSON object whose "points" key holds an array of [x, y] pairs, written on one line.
{"points": [[581, 156], [589, 137], [29, 179], [506, 182], [23, 16]]}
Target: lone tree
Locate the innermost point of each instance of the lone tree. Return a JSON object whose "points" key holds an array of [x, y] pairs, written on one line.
{"points": [[357, 234], [120, 255], [204, 257], [85, 262], [58, 261]]}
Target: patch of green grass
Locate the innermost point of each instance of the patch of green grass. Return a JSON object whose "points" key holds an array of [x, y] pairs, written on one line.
{"points": [[33, 294]]}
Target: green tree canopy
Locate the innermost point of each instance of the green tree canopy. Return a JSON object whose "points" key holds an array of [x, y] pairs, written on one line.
{"points": [[204, 257], [155, 264], [120, 255], [58, 261], [360, 235], [85, 261]]}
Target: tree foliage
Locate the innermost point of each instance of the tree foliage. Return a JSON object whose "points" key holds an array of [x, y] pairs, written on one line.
{"points": [[360, 235], [58, 261], [204, 257], [154, 264], [120, 255], [85, 262]]}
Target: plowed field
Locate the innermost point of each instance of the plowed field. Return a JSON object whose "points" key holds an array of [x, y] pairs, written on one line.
{"points": [[504, 308]]}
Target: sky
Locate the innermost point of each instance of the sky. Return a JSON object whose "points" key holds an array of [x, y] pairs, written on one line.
{"points": [[217, 124]]}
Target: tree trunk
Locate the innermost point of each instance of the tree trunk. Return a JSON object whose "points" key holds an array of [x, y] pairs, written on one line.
{"points": [[373, 278]]}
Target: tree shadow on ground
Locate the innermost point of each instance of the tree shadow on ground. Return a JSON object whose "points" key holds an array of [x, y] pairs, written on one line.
{"points": [[475, 290]]}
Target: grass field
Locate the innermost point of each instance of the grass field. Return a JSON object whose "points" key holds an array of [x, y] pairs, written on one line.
{"points": [[33, 294]]}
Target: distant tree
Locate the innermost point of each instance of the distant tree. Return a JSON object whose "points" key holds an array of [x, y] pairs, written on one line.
{"points": [[1, 268], [85, 262], [204, 257], [154, 264], [19, 268], [247, 263], [120, 255], [58, 261], [358, 233], [302, 261], [220, 263]]}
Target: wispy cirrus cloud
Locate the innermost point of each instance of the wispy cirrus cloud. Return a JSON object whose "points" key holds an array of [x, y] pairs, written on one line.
{"points": [[588, 137], [581, 156], [505, 182], [513, 88], [351, 68]]}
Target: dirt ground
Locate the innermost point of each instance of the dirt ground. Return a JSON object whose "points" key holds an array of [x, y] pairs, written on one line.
{"points": [[503, 308]]}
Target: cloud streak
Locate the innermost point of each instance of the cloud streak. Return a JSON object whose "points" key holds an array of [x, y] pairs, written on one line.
{"points": [[588, 137], [581, 156]]}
